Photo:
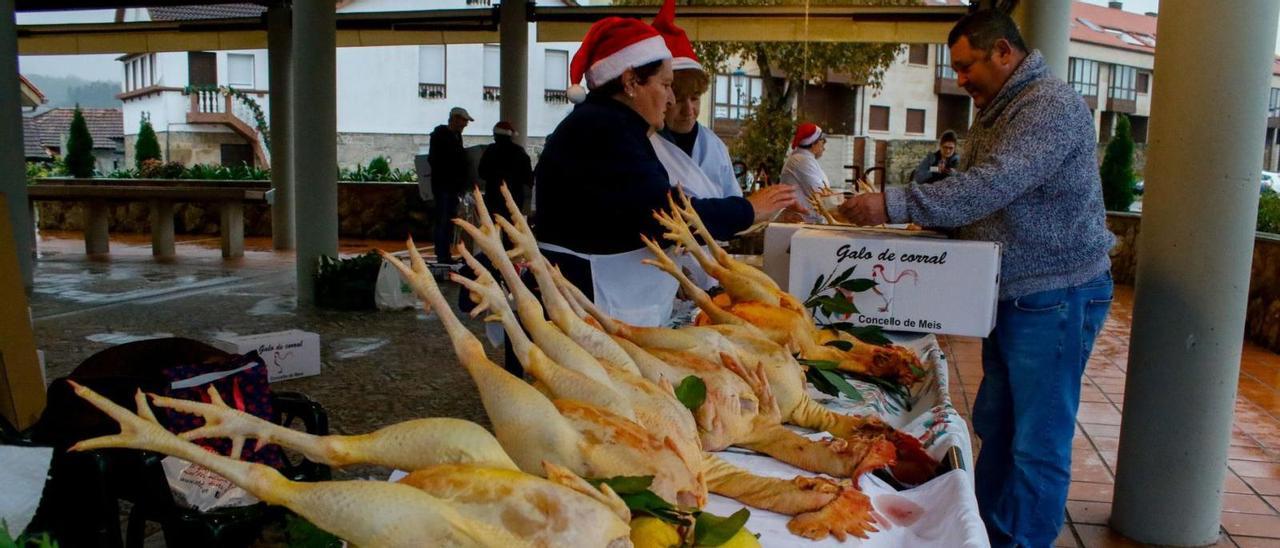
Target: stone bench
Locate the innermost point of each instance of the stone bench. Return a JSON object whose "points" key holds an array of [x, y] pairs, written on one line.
{"points": [[162, 199]]}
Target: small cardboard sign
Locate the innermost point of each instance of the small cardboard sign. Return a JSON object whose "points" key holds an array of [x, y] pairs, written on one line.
{"points": [[288, 354], [926, 285]]}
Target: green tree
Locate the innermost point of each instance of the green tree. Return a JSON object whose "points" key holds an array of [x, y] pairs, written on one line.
{"points": [[803, 63], [79, 147], [1117, 168], [147, 146]]}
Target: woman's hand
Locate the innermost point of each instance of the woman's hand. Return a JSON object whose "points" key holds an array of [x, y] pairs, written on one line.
{"points": [[770, 200]]}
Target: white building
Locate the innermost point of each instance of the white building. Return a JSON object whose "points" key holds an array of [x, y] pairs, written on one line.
{"points": [[389, 97]]}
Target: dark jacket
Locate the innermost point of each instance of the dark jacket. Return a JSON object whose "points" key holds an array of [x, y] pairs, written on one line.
{"points": [[922, 173], [504, 162], [599, 181], [448, 161]]}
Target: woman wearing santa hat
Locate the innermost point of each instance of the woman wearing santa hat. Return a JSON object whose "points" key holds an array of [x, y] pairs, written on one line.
{"points": [[599, 179], [802, 170]]}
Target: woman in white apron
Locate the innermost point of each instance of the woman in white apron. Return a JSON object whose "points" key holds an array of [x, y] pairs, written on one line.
{"points": [[599, 178]]}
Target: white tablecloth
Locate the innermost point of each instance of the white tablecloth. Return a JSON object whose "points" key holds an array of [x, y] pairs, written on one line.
{"points": [[942, 512]]}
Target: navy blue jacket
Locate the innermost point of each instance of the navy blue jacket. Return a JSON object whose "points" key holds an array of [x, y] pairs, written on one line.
{"points": [[598, 182]]}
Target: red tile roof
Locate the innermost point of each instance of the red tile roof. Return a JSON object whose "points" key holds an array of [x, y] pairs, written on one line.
{"points": [[1136, 25], [205, 11], [46, 129]]}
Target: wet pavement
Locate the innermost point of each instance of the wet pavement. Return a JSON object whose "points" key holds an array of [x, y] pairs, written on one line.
{"points": [[378, 367]]}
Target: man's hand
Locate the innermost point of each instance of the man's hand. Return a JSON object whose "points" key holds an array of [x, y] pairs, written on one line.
{"points": [[865, 209], [770, 200]]}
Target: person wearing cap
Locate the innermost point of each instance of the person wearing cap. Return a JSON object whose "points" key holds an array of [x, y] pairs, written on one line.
{"points": [[505, 161], [599, 180], [448, 178], [803, 171]]}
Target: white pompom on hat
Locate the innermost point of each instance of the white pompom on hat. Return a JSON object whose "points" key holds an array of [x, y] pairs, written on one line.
{"points": [[612, 46]]}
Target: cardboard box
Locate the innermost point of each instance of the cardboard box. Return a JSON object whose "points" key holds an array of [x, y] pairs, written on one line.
{"points": [[925, 285], [777, 245], [288, 354]]}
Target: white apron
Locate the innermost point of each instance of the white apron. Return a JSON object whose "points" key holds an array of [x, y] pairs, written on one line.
{"points": [[626, 289], [683, 170]]}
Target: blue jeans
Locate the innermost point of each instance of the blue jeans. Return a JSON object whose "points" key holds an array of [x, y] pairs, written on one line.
{"points": [[1025, 412]]}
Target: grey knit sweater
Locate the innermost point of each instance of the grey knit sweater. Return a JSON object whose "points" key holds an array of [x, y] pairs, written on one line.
{"points": [[1029, 180]]}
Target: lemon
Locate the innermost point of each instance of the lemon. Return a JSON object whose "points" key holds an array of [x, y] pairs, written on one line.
{"points": [[648, 532], [744, 539]]}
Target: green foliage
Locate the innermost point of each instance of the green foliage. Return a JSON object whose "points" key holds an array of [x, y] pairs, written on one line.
{"points": [[1117, 168], [147, 147], [347, 284], [155, 169], [79, 147], [378, 170], [41, 540], [708, 529], [213, 172], [40, 170], [1269, 212], [765, 138], [692, 392]]}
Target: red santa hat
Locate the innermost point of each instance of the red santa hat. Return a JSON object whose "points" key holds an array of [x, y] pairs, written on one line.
{"points": [[683, 57], [807, 134], [505, 128], [612, 46]]}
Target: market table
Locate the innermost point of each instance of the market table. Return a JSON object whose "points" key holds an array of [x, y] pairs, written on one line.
{"points": [[942, 512]]}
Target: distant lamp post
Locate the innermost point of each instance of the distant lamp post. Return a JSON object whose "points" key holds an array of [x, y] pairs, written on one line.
{"points": [[739, 80]]}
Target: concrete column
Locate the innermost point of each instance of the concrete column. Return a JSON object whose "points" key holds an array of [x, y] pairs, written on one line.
{"points": [[316, 199], [97, 219], [280, 62], [1046, 27], [232, 229], [162, 238], [513, 32], [13, 179], [1194, 255]]}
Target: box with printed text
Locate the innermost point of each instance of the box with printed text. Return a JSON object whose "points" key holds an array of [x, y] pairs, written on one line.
{"points": [[288, 354], [900, 283]]}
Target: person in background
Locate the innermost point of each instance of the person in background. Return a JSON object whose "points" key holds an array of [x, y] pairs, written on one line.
{"points": [[939, 164], [1029, 181], [802, 171], [505, 161], [448, 178]]}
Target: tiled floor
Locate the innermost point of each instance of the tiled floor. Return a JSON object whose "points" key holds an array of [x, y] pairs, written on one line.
{"points": [[1251, 503]]}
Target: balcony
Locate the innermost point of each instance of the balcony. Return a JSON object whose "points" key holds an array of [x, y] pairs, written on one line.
{"points": [[218, 108], [492, 93], [555, 96], [1125, 105], [431, 91], [944, 82]]}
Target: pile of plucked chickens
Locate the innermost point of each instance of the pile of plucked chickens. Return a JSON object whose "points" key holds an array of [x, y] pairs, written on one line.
{"points": [[601, 435]]}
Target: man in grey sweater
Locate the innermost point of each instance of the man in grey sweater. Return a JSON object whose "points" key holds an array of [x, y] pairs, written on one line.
{"points": [[1028, 180]]}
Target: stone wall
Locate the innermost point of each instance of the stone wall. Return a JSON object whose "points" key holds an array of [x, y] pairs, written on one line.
{"points": [[188, 147], [381, 211], [1262, 318], [902, 157]]}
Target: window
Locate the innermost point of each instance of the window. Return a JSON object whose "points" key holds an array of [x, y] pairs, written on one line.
{"points": [[1083, 75], [1092, 26], [153, 69], [556, 76], [1144, 82], [918, 54], [431, 72], [878, 119], [137, 83], [944, 63], [1123, 83], [240, 70], [736, 95], [1273, 106], [492, 72], [915, 120], [142, 62]]}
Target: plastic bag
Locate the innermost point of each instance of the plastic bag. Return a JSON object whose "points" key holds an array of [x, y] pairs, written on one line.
{"points": [[390, 292], [197, 487]]}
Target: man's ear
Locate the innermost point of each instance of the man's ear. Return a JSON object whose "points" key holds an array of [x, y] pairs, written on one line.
{"points": [[1003, 51]]}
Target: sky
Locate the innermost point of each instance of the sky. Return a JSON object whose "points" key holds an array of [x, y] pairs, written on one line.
{"points": [[105, 67]]}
